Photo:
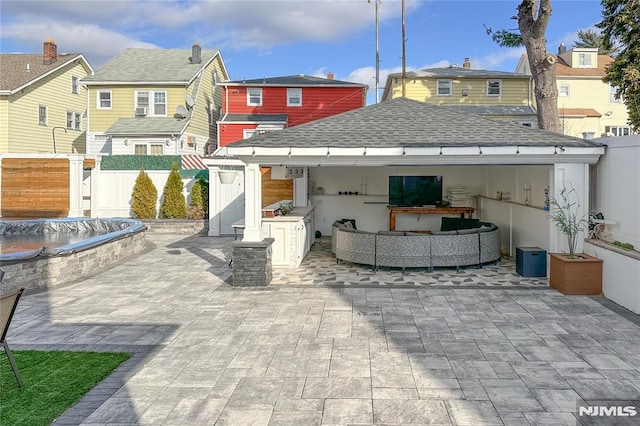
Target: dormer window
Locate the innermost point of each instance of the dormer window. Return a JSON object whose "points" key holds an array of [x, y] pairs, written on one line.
{"points": [[584, 60]]}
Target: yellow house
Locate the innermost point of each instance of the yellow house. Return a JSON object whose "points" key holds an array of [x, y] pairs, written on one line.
{"points": [[586, 105], [42, 103], [155, 102], [493, 94]]}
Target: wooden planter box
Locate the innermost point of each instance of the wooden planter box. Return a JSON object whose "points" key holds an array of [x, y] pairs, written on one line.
{"points": [[581, 275]]}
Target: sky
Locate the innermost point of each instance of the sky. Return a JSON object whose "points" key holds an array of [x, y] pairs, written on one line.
{"points": [[270, 38]]}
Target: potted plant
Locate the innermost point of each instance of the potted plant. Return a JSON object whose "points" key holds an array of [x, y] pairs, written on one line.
{"points": [[572, 273]]}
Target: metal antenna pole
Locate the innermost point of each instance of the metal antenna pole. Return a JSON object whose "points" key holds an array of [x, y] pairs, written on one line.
{"points": [[377, 55], [404, 58]]}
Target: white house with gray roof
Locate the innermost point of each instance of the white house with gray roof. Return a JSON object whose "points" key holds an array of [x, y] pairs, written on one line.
{"points": [[155, 102], [356, 152]]}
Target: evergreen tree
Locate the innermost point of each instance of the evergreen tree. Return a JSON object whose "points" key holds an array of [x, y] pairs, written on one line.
{"points": [[196, 210], [204, 184], [621, 23], [174, 205], [591, 38], [144, 197]]}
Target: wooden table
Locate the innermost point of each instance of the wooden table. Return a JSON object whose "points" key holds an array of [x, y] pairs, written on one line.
{"points": [[396, 210]]}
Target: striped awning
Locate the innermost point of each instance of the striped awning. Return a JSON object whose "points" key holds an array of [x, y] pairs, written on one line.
{"points": [[192, 161]]}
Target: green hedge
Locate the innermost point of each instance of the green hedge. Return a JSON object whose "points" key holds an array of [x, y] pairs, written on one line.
{"points": [[150, 162]]}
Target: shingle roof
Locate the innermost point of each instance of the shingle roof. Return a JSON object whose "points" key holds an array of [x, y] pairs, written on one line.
{"points": [[147, 126], [403, 122], [151, 65], [578, 112], [460, 72], [495, 109], [564, 70], [258, 118], [13, 68], [294, 80]]}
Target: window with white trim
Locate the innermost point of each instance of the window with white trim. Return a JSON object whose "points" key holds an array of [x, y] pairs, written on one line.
{"points": [[618, 130], [247, 133], [140, 149], [157, 149], [143, 100], [494, 87], [74, 85], [443, 88], [103, 99], [563, 90], [584, 60], [73, 120], [612, 95], [42, 115], [588, 135], [254, 96], [294, 96], [159, 103]]}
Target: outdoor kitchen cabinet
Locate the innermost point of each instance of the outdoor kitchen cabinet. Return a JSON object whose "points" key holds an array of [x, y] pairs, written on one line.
{"points": [[293, 236]]}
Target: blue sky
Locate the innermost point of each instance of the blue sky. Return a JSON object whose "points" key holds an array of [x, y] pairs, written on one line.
{"points": [[268, 38]]}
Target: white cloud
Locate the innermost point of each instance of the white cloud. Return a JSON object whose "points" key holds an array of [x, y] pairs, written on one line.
{"points": [[497, 60], [96, 43]]}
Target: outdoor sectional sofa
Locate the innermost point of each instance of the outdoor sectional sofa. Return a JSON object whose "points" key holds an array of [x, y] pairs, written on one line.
{"points": [[454, 248]]}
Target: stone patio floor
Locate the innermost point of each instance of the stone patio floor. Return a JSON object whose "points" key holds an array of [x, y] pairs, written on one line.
{"points": [[300, 354]]}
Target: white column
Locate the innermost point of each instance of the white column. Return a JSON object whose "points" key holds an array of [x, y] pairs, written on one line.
{"points": [[214, 202], [252, 203], [300, 190], [75, 185], [95, 187], [569, 175]]}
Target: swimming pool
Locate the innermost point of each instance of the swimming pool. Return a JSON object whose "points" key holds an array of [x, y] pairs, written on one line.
{"points": [[44, 252]]}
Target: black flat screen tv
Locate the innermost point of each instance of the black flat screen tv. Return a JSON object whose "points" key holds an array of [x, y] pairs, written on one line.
{"points": [[415, 190]]}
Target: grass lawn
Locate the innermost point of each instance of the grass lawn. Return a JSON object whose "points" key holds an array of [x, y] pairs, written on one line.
{"points": [[53, 382]]}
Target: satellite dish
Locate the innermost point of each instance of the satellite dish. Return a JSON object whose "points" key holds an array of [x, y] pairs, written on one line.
{"points": [[190, 102], [181, 111]]}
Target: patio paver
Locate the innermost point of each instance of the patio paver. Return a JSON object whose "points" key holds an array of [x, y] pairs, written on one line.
{"points": [[501, 352]]}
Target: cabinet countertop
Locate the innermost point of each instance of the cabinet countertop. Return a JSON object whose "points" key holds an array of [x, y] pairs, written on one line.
{"points": [[298, 213]]}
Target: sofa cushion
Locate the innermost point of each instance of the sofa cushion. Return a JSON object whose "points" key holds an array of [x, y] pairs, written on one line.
{"points": [[456, 223], [397, 233], [468, 231], [444, 233]]}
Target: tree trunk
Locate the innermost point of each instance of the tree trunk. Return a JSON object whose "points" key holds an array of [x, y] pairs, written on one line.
{"points": [[541, 62]]}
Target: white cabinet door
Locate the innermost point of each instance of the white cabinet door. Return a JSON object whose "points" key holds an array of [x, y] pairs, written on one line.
{"points": [[281, 254]]}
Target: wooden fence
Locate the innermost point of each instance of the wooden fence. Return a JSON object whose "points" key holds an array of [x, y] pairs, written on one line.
{"points": [[35, 187]]}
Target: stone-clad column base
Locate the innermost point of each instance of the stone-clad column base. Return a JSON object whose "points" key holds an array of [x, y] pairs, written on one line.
{"points": [[252, 263]]}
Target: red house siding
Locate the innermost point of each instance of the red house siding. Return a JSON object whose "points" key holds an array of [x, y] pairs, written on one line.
{"points": [[317, 102], [233, 132]]}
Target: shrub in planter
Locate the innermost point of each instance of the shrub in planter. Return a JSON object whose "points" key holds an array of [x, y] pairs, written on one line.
{"points": [[145, 196], [174, 205]]}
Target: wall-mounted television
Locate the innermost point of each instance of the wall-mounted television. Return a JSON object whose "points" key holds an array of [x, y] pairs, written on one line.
{"points": [[415, 190]]}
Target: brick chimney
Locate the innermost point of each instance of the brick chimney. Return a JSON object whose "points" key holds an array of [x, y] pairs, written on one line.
{"points": [[49, 52], [196, 54], [330, 75], [467, 63], [562, 48]]}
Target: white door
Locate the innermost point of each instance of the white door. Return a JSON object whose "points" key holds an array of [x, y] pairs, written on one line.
{"points": [[232, 203]]}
